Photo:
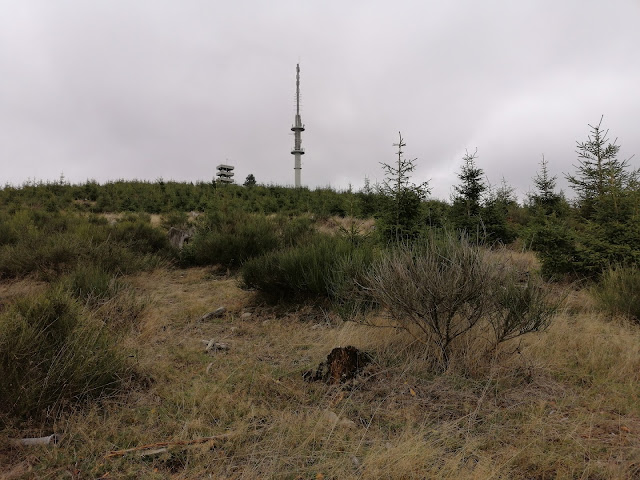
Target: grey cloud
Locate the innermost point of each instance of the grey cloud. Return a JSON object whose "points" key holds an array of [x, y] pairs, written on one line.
{"points": [[115, 89]]}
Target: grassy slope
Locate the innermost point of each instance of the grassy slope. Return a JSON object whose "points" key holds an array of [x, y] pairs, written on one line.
{"points": [[567, 406]]}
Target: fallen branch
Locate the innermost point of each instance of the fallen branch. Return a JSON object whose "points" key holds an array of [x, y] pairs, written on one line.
{"points": [[161, 445]]}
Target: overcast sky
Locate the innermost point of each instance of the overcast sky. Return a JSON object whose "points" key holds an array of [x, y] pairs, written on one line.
{"points": [[110, 89]]}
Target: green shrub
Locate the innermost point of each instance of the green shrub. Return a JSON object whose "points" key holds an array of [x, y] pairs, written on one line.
{"points": [[117, 259], [175, 219], [55, 246], [50, 222], [347, 278], [303, 270], [585, 250], [8, 232], [555, 244], [52, 354], [230, 239], [619, 292], [295, 230], [140, 236]]}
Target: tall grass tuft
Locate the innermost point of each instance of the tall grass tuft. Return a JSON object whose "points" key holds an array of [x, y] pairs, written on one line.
{"points": [[618, 292], [51, 354], [92, 284]]}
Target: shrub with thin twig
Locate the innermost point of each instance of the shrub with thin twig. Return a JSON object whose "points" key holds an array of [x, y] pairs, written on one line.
{"points": [[445, 290]]}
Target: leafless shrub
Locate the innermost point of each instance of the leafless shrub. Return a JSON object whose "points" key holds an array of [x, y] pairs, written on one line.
{"points": [[446, 289]]}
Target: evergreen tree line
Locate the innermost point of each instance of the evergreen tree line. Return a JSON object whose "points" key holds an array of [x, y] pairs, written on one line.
{"points": [[600, 227]]}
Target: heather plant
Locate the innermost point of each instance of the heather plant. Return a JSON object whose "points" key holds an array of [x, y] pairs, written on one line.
{"points": [[53, 244], [137, 234], [176, 219], [230, 238], [305, 270], [293, 231]]}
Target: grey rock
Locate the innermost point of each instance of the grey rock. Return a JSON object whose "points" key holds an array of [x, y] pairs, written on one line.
{"points": [[213, 346], [179, 237], [218, 312]]}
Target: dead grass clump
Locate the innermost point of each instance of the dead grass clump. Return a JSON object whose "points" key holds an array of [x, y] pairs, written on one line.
{"points": [[15, 289], [591, 351], [524, 261]]}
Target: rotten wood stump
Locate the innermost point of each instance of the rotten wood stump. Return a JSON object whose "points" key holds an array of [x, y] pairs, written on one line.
{"points": [[342, 364]]}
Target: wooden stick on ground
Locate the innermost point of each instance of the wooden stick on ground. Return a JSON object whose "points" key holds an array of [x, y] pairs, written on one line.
{"points": [[119, 453]]}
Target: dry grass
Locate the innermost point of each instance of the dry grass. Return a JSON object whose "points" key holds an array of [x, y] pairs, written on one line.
{"points": [[154, 218], [23, 287], [334, 225], [565, 406], [523, 260]]}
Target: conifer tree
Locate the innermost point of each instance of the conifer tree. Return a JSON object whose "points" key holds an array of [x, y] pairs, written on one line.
{"points": [[367, 199], [601, 178], [545, 200], [467, 199], [469, 192], [498, 206], [400, 218]]}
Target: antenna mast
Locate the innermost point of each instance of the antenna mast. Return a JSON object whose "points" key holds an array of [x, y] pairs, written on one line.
{"points": [[297, 128]]}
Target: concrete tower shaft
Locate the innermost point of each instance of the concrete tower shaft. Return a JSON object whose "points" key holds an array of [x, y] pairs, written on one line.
{"points": [[297, 129]]}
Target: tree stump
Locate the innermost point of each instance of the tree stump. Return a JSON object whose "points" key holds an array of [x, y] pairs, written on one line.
{"points": [[342, 364]]}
